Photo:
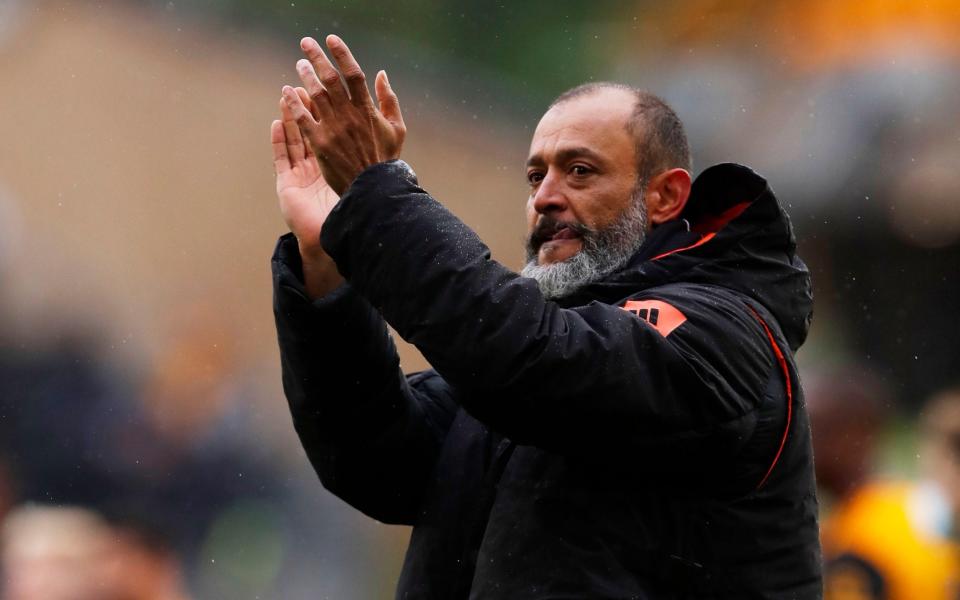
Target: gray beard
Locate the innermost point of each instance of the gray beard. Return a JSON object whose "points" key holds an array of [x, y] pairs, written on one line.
{"points": [[603, 252]]}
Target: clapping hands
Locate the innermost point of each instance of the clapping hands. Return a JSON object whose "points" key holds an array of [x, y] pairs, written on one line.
{"points": [[329, 132], [345, 129]]}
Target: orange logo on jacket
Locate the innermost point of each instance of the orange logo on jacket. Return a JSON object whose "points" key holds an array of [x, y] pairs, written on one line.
{"points": [[664, 317]]}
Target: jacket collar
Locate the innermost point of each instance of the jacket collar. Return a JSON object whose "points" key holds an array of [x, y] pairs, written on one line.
{"points": [[733, 234]]}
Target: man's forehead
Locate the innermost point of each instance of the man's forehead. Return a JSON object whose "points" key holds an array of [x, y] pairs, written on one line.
{"points": [[596, 122]]}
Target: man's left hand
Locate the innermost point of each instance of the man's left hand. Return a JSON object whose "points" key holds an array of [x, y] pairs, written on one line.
{"points": [[349, 132]]}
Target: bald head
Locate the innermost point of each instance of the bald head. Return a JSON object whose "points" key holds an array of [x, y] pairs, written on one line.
{"points": [[659, 137]]}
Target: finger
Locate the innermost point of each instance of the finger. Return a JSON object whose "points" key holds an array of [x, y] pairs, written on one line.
{"points": [[308, 102], [292, 135], [318, 94], [352, 73], [305, 98], [387, 99], [308, 150], [281, 161], [325, 70], [300, 114], [298, 111]]}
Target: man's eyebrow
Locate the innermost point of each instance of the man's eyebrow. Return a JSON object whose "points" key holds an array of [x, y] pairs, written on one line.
{"points": [[567, 154]]}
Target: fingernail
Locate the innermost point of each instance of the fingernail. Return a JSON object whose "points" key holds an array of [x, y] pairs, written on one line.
{"points": [[385, 78], [334, 39]]}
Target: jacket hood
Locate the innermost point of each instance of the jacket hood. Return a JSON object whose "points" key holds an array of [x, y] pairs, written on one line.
{"points": [[733, 233]]}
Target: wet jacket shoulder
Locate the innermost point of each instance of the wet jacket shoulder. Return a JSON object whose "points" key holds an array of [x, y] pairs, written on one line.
{"points": [[643, 438]]}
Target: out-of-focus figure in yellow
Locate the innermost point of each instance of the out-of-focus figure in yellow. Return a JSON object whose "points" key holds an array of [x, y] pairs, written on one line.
{"points": [[882, 539]]}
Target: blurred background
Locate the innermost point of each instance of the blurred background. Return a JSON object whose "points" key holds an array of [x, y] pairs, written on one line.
{"points": [[145, 446]]}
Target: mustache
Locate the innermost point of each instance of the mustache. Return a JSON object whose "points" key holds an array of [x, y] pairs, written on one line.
{"points": [[548, 226]]}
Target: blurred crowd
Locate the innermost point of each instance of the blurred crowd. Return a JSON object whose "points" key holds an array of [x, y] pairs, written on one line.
{"points": [[885, 537], [160, 486], [110, 486]]}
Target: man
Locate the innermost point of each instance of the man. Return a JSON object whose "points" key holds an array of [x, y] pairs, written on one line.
{"points": [[861, 514], [849, 409], [626, 422]]}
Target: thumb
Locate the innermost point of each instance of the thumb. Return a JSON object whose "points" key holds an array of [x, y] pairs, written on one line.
{"points": [[389, 105]]}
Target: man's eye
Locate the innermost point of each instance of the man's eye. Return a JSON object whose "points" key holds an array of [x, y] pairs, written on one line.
{"points": [[579, 170], [534, 177]]}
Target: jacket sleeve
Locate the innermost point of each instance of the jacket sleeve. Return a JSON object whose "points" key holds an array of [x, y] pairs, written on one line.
{"points": [[570, 380], [372, 434]]}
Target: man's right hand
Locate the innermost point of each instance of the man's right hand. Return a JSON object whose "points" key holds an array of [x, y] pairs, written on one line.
{"points": [[346, 128], [305, 199]]}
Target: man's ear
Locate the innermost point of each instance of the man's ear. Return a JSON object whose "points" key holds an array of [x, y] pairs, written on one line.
{"points": [[666, 195]]}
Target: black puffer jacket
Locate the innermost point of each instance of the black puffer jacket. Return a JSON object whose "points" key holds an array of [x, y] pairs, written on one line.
{"points": [[645, 438]]}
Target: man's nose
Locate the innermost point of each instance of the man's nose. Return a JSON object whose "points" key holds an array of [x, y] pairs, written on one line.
{"points": [[550, 196]]}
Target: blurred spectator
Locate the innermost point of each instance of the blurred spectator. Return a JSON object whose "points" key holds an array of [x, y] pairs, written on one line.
{"points": [[848, 409], [940, 450], [166, 456], [889, 540], [54, 405], [144, 566], [57, 553], [189, 451], [6, 488]]}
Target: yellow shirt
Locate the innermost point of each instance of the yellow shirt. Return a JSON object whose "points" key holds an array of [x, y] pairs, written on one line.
{"points": [[890, 540]]}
